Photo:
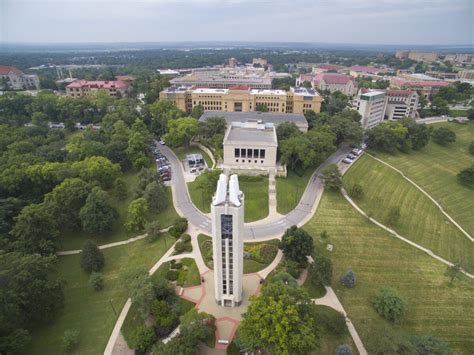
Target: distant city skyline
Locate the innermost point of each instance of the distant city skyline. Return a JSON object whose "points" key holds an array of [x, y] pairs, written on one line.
{"points": [[420, 22]]}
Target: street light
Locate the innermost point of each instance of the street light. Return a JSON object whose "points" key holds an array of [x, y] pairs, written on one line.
{"points": [[113, 309]]}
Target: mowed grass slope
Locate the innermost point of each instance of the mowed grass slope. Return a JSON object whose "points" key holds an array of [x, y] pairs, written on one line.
{"points": [[434, 307], [420, 219], [90, 312], [290, 189], [435, 167]]}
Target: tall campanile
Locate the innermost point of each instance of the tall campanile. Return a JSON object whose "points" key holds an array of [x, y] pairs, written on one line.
{"points": [[227, 210]]}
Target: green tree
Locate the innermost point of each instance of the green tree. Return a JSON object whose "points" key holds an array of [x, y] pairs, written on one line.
{"points": [[390, 305], [97, 215], [297, 151], [356, 191], [349, 279], [466, 176], [136, 214], [287, 130], [181, 131], [320, 270], [138, 143], [331, 177], [153, 230], [120, 189], [296, 244], [92, 258], [165, 316], [35, 230], [261, 107], [179, 226], [96, 281], [162, 113], [452, 271], [98, 169], [142, 338], [443, 136], [197, 111], [429, 345], [141, 291], [281, 321], [155, 195], [343, 350], [212, 126]]}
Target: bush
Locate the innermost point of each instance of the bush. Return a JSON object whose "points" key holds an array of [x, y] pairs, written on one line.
{"points": [[176, 266], [349, 279], [356, 191], [443, 136], [92, 258], [153, 231], [96, 281], [185, 238], [70, 340], [172, 275], [284, 278], [320, 271], [466, 176], [142, 338], [390, 305], [429, 345], [293, 268], [179, 247], [179, 227], [343, 350]]}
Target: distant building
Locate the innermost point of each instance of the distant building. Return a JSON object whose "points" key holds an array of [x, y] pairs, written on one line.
{"points": [[168, 72], [266, 117], [243, 99], [126, 78], [442, 76], [222, 81], [79, 88], [227, 218], [371, 107], [418, 56], [260, 61], [427, 88], [232, 62], [364, 71], [459, 58], [324, 67], [330, 81], [15, 79], [466, 75], [401, 54], [250, 146]]}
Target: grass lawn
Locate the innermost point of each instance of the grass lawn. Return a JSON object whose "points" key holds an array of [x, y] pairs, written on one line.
{"points": [[290, 189], [420, 219], [91, 312], [314, 291], [255, 189], [76, 240], [181, 153], [434, 306], [188, 275], [261, 254], [435, 167]]}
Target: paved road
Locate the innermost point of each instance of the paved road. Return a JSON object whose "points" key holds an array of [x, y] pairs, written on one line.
{"points": [[252, 232], [436, 119]]}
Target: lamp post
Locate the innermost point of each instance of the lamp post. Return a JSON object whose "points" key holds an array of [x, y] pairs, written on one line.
{"points": [[113, 309]]}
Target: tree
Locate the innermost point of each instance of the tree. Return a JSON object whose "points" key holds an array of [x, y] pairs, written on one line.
{"points": [[92, 258], [320, 271], [165, 316], [466, 176], [387, 137], [390, 305], [96, 281], [197, 111], [141, 291], [429, 345], [443, 136], [297, 151], [180, 226], [452, 271], [281, 321], [120, 189], [181, 131], [136, 214], [439, 106], [35, 230], [331, 177], [296, 244], [99, 169], [138, 142], [343, 350], [142, 338], [97, 215], [349, 279], [287, 130], [393, 216], [356, 191], [261, 107], [212, 126], [70, 340], [156, 197]]}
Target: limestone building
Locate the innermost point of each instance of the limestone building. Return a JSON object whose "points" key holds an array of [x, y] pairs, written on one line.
{"points": [[242, 98], [371, 106], [79, 88], [14, 79], [227, 214]]}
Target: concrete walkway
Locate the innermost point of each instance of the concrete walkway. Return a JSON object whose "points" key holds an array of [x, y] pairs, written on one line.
{"points": [[426, 194]]}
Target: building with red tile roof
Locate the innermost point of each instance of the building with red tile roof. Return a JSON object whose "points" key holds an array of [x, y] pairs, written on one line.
{"points": [[79, 88], [17, 80], [428, 88]]}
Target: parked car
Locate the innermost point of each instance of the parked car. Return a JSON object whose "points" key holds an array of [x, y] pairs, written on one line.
{"points": [[347, 161], [162, 142], [192, 170], [356, 151], [351, 156]]}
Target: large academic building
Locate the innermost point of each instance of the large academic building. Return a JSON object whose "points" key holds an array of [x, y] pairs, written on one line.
{"points": [[244, 99]]}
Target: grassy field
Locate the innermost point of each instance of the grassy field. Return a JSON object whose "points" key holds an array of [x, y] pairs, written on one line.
{"points": [[435, 167], [262, 253], [255, 189], [434, 306], [76, 240], [420, 219], [290, 189], [93, 313], [181, 153]]}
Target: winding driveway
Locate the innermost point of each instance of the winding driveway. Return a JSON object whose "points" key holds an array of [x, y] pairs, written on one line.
{"points": [[253, 231]]}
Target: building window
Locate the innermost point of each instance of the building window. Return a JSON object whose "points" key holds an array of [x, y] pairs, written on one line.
{"points": [[237, 153], [249, 153], [255, 153], [243, 153], [262, 153]]}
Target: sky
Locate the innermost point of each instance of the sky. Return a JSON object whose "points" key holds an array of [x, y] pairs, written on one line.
{"points": [[432, 22]]}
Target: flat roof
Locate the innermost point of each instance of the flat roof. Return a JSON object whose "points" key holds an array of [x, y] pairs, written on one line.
{"points": [[257, 134], [275, 118], [210, 91], [267, 92], [302, 91]]}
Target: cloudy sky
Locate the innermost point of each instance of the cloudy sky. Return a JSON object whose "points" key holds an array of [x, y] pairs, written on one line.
{"points": [[330, 21]]}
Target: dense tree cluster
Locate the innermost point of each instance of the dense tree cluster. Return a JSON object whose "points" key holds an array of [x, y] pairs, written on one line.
{"points": [[296, 245]]}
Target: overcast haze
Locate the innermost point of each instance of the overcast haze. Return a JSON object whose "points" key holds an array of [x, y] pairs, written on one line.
{"points": [[332, 21]]}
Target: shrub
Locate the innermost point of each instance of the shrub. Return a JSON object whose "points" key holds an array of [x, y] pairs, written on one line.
{"points": [[285, 278], [343, 350], [172, 275], [92, 258], [390, 305], [356, 191], [320, 271], [70, 339], [466, 176], [443, 136], [349, 279], [179, 247], [142, 338], [429, 345], [179, 227], [293, 268], [153, 231], [96, 281], [335, 322], [324, 234], [186, 238], [176, 266], [120, 189], [188, 247], [164, 314]]}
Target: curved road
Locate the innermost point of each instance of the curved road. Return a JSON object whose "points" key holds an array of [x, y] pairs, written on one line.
{"points": [[253, 232]]}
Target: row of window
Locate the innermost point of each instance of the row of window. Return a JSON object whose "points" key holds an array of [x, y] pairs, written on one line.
{"points": [[249, 153]]}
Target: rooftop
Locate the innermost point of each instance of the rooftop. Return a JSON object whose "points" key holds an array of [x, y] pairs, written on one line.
{"points": [[275, 118], [210, 91], [256, 133], [4, 70], [302, 91], [366, 69], [267, 92], [99, 84], [332, 78]]}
